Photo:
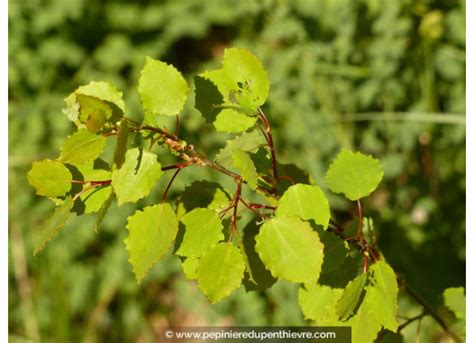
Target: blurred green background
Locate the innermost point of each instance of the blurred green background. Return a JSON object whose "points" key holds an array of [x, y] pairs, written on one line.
{"points": [[383, 77]]}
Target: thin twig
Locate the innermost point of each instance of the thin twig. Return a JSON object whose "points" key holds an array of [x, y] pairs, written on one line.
{"points": [[411, 320], [271, 145], [165, 193]]}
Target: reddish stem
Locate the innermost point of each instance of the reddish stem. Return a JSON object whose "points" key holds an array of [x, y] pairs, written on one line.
{"points": [[253, 209], [97, 183], [271, 145]]}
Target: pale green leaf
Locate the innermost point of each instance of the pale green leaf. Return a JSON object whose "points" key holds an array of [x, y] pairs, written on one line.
{"points": [[364, 325], [82, 147], [354, 174], [382, 295], [290, 249], [151, 233], [72, 109], [136, 177], [455, 300], [54, 224], [50, 178], [162, 89], [306, 202], [319, 303], [104, 91], [190, 266], [258, 278], [242, 80], [247, 141], [229, 120], [220, 271], [350, 299], [244, 164], [203, 230]]}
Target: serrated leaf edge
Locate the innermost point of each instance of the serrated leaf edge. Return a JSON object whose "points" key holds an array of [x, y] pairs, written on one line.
{"points": [[232, 290], [128, 250], [257, 244], [357, 153]]}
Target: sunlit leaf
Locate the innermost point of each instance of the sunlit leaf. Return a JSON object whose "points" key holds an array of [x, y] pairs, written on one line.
{"points": [[162, 89], [150, 235], [220, 271], [136, 177], [319, 303], [50, 178], [383, 289], [306, 202], [354, 174], [290, 249], [82, 147], [244, 164], [203, 230]]}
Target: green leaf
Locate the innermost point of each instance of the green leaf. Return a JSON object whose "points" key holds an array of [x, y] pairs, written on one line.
{"points": [[151, 233], [72, 109], [203, 230], [351, 297], [244, 164], [50, 178], [258, 278], [382, 295], [136, 177], [220, 271], [54, 224], [319, 303], [104, 91], [102, 211], [162, 89], [229, 120], [290, 249], [354, 174], [306, 202], [82, 147], [247, 141], [455, 300], [94, 113], [121, 144], [190, 266], [208, 99], [93, 199], [242, 79], [364, 325]]}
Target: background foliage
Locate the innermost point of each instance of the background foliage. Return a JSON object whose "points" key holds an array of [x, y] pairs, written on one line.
{"points": [[386, 78]]}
